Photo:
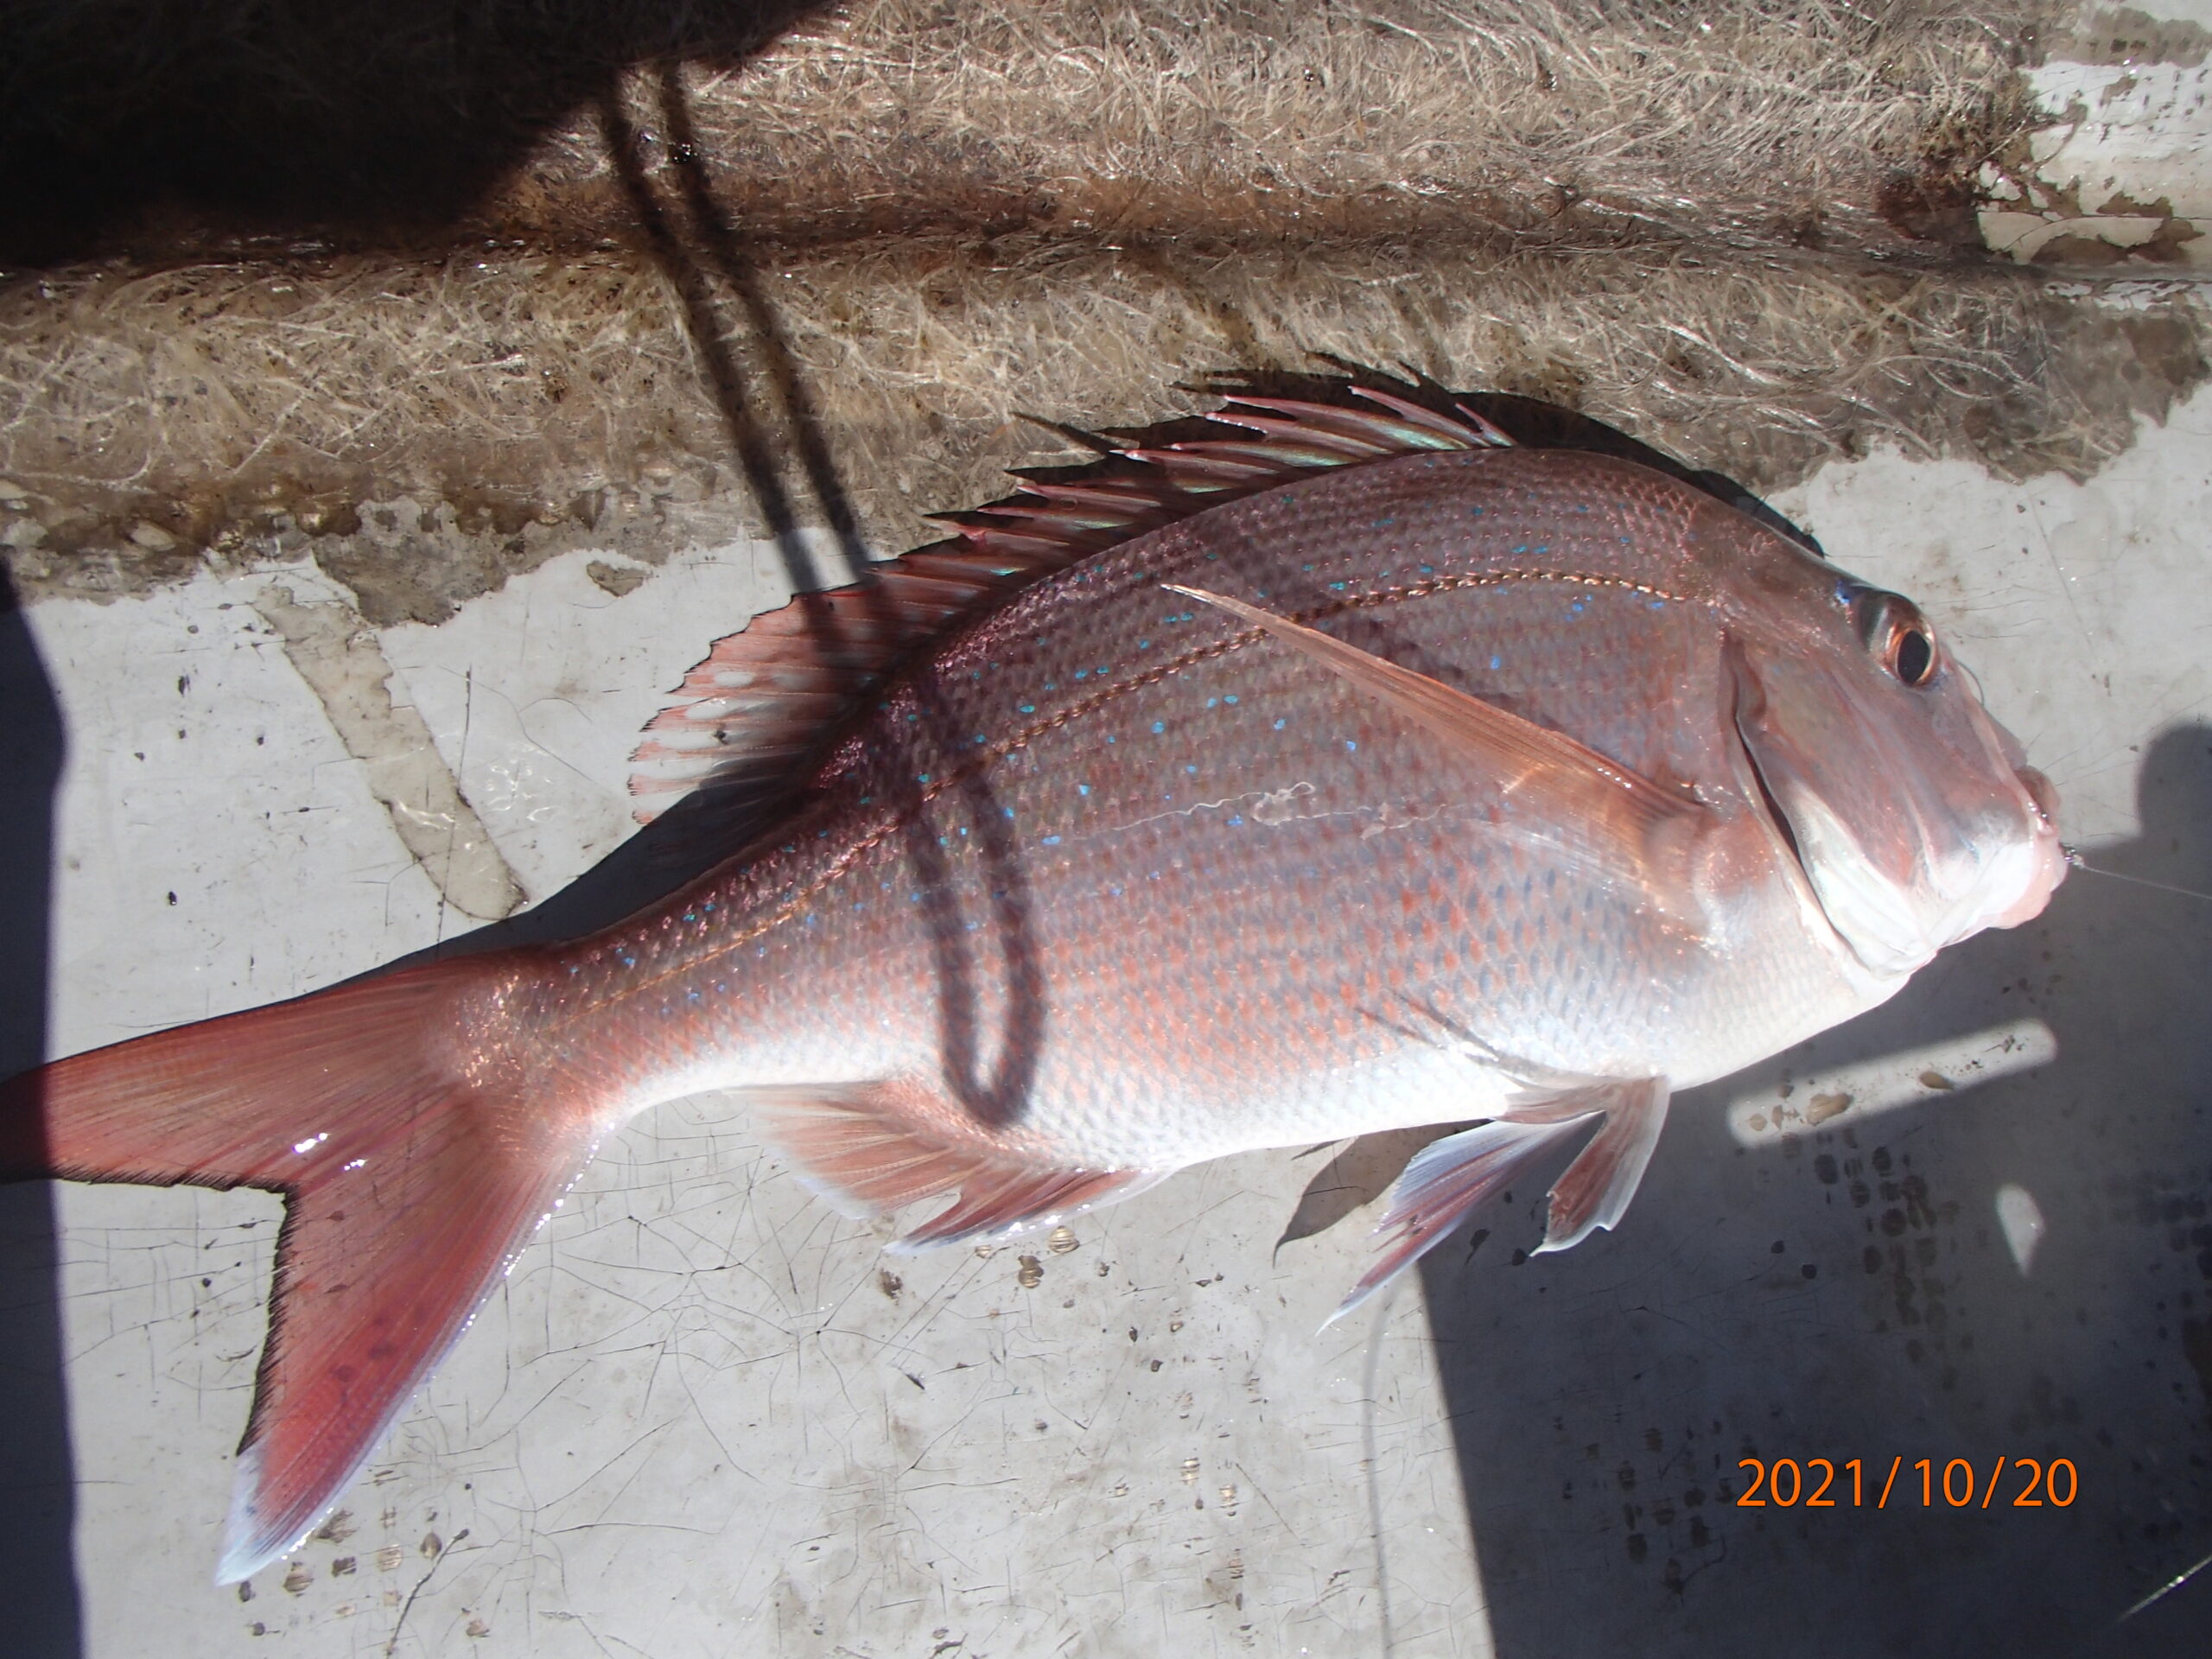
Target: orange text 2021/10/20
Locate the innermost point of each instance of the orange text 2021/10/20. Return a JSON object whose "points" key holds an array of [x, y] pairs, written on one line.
{"points": [[1822, 1483]]}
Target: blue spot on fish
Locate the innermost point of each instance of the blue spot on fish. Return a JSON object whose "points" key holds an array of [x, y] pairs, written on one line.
{"points": [[1280, 724], [1029, 707], [1080, 789], [1497, 662], [1158, 726], [1232, 702], [1052, 841], [1349, 745]]}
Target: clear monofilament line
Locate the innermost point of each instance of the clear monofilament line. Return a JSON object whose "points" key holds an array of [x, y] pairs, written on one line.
{"points": [[2075, 861]]}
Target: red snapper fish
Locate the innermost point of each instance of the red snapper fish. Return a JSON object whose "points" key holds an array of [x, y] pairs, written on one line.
{"points": [[1364, 771]]}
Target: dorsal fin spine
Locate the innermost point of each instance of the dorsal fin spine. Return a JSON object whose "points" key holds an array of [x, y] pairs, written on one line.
{"points": [[764, 697]]}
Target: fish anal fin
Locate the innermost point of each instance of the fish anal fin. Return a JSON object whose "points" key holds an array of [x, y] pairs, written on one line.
{"points": [[874, 1148], [1444, 1181], [1636, 828], [1595, 1191]]}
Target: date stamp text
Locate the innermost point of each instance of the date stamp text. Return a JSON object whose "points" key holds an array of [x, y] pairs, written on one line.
{"points": [[1823, 1483]]}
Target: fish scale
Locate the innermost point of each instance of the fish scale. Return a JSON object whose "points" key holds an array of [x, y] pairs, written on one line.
{"points": [[1361, 771], [1298, 1041]]}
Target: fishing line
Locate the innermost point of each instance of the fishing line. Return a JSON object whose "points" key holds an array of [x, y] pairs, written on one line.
{"points": [[2074, 862], [1389, 1299], [2175, 1582]]}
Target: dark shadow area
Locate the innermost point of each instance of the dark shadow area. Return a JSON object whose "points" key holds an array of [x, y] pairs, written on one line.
{"points": [[774, 433], [38, 1575], [1850, 1293], [360, 120]]}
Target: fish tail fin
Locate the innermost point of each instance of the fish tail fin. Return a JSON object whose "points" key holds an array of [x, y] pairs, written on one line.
{"points": [[401, 1130]]}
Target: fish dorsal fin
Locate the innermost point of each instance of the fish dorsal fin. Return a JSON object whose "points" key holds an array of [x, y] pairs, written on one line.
{"points": [[1636, 830], [749, 716]]}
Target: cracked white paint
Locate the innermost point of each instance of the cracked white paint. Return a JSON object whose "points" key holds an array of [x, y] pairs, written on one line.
{"points": [[2126, 161], [337, 654]]}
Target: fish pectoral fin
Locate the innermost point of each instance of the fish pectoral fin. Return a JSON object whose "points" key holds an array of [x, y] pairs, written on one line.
{"points": [[1444, 1181], [870, 1149], [1636, 828], [1596, 1189]]}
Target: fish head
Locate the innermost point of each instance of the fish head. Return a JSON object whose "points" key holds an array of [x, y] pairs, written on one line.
{"points": [[1914, 814]]}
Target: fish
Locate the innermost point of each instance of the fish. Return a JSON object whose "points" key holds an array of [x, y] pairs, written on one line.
{"points": [[1361, 770]]}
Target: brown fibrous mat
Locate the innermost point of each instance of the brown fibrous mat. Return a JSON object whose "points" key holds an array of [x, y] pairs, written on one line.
{"points": [[913, 246]]}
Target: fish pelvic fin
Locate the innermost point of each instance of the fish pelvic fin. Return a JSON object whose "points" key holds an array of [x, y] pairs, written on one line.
{"points": [[874, 1148], [1446, 1179], [1636, 830], [1440, 1188], [1595, 1191], [413, 1166]]}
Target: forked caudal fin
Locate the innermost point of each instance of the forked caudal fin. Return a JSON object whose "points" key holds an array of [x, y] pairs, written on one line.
{"points": [[413, 1168]]}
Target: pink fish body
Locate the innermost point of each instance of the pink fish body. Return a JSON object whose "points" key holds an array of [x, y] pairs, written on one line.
{"points": [[1422, 780]]}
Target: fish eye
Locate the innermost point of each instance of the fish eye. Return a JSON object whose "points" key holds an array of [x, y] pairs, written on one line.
{"points": [[1898, 635], [1912, 656]]}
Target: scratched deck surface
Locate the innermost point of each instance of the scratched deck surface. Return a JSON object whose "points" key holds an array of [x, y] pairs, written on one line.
{"points": [[704, 1415]]}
